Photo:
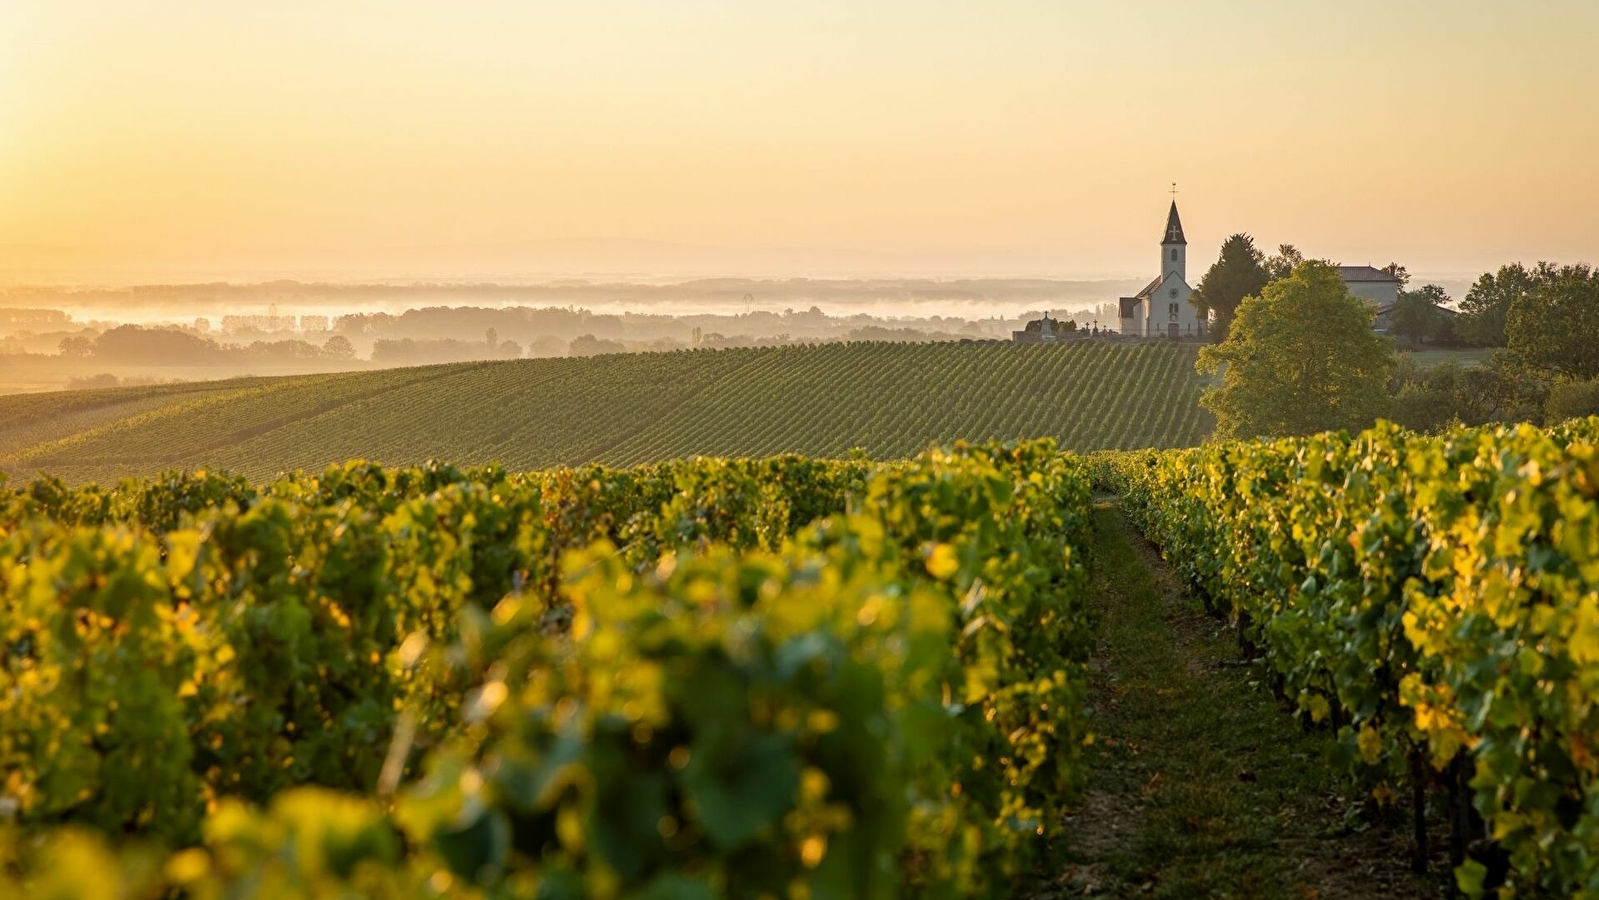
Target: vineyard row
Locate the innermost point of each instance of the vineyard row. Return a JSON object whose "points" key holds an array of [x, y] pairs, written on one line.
{"points": [[785, 677], [1433, 599]]}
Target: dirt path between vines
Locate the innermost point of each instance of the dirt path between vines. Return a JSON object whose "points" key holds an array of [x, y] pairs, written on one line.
{"points": [[1201, 785]]}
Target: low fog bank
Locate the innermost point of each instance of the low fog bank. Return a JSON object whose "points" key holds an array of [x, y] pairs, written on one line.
{"points": [[55, 337], [889, 298]]}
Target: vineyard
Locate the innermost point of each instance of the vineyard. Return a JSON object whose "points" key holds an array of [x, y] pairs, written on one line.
{"points": [[784, 677], [891, 400], [1432, 600]]}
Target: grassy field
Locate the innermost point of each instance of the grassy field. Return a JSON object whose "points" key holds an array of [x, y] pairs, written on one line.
{"points": [[1200, 786], [891, 400]]}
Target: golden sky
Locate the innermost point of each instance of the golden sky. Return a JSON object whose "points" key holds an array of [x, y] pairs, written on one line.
{"points": [[1024, 137]]}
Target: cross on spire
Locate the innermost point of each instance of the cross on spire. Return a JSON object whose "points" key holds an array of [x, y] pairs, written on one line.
{"points": [[1174, 226], [1174, 191]]}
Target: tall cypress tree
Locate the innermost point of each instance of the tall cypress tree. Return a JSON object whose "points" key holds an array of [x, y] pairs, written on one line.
{"points": [[1240, 272]]}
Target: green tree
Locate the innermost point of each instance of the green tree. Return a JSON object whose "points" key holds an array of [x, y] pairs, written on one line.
{"points": [[338, 347], [1494, 391], [1239, 272], [1283, 264], [1487, 304], [76, 346], [589, 345], [1572, 399], [1416, 316], [1422, 407], [1554, 328], [1300, 358]]}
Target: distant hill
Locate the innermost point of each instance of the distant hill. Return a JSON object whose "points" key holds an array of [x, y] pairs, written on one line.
{"points": [[890, 399]]}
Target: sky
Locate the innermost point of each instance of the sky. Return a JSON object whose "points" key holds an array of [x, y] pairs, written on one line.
{"points": [[145, 139]]}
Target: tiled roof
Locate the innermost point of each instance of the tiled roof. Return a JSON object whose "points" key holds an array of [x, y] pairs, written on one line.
{"points": [[1364, 273], [1150, 289]]}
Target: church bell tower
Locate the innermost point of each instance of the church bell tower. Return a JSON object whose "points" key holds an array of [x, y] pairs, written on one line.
{"points": [[1174, 247]]}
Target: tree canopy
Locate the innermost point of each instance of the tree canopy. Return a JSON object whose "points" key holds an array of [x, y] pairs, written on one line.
{"points": [[1284, 262], [1487, 304], [338, 347], [133, 344], [1417, 316], [1300, 358], [1239, 272], [1496, 390], [1554, 328]]}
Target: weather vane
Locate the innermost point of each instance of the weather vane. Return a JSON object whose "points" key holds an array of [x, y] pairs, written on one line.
{"points": [[1174, 190]]}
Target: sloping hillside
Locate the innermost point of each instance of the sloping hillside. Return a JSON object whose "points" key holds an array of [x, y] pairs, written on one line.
{"points": [[889, 399]]}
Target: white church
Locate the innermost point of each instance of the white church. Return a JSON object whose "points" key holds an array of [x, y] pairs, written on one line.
{"points": [[1162, 309]]}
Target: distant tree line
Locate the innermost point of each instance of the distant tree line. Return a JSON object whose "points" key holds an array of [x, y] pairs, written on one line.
{"points": [[139, 345], [411, 352], [1533, 296], [530, 325], [185, 346], [1544, 324]]}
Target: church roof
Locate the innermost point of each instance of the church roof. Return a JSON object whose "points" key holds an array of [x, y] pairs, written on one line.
{"points": [[1364, 273], [1174, 227], [1150, 289]]}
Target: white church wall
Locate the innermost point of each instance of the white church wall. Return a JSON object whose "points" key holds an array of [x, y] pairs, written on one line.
{"points": [[1179, 265], [1170, 306]]}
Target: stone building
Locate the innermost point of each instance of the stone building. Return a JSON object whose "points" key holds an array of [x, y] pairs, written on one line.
{"points": [[1377, 287]]}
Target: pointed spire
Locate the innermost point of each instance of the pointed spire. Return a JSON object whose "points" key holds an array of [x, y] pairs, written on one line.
{"points": [[1174, 227]]}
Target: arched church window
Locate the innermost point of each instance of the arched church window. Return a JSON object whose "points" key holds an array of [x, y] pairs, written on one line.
{"points": [[1174, 254]]}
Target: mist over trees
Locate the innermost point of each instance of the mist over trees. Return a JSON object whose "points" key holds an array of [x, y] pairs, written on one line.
{"points": [[136, 344], [43, 348], [139, 345], [1542, 373]]}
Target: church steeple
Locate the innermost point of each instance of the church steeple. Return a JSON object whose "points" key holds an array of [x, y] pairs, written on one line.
{"points": [[1174, 247], [1174, 227]]}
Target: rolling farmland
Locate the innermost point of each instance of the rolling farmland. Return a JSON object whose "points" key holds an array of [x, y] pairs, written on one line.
{"points": [[892, 400]]}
